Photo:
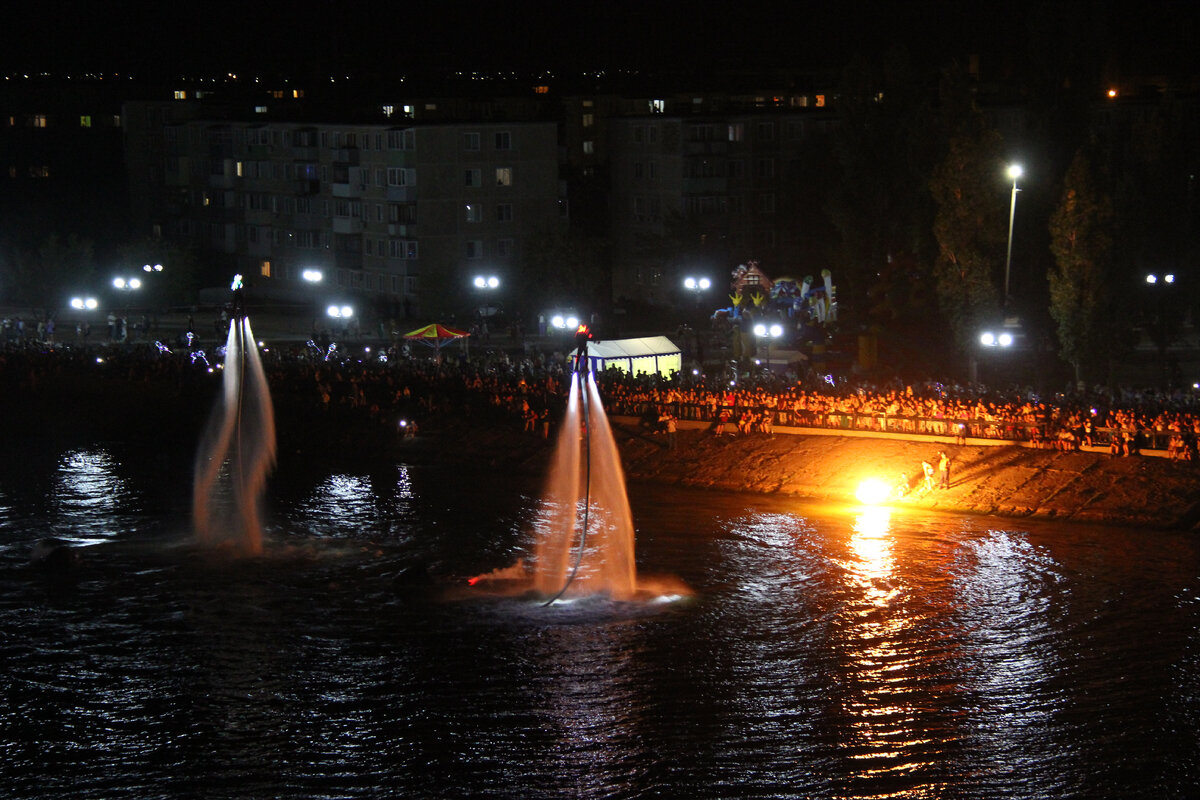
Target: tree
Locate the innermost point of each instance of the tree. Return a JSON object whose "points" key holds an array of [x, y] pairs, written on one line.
{"points": [[969, 223], [45, 276], [562, 266], [879, 202], [176, 284], [1081, 279]]}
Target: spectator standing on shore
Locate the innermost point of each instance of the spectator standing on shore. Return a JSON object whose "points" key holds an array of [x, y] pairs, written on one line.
{"points": [[927, 470], [944, 469], [671, 429]]}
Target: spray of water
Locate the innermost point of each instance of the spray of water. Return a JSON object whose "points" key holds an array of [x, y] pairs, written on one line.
{"points": [[237, 451], [584, 538]]}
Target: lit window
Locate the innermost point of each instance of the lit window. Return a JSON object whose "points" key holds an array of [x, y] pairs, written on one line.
{"points": [[588, 120], [504, 176], [85, 121], [264, 269], [180, 94], [589, 147], [541, 89], [39, 120], [388, 110], [820, 101], [658, 106]]}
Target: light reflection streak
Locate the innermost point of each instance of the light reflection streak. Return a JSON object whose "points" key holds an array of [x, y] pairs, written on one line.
{"points": [[884, 743], [346, 503], [1009, 602], [88, 494]]}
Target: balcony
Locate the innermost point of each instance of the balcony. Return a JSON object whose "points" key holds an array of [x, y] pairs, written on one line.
{"points": [[706, 148], [401, 194], [347, 225], [705, 185], [348, 189], [346, 155], [348, 260]]}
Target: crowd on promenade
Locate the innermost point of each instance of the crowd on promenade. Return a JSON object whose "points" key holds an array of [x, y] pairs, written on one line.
{"points": [[530, 389]]}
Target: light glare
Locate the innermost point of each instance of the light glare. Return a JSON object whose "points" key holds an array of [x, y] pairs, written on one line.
{"points": [[872, 492]]}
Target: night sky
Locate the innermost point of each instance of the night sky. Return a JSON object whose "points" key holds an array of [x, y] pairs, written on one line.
{"points": [[305, 37]]}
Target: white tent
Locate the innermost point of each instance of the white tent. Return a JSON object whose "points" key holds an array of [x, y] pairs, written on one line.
{"points": [[653, 355]]}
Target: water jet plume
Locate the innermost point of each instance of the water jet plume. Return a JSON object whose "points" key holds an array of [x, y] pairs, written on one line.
{"points": [[237, 451]]}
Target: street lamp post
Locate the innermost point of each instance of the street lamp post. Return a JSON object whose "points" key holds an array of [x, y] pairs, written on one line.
{"points": [[1014, 171], [1161, 327], [696, 286], [342, 313], [768, 332]]}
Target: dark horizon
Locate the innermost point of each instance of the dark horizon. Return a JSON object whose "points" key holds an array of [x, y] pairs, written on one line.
{"points": [[168, 40]]}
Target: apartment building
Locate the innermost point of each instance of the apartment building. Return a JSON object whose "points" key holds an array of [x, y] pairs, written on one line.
{"points": [[401, 214], [729, 183]]}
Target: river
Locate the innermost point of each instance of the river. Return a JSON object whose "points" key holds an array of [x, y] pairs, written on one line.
{"points": [[822, 651]]}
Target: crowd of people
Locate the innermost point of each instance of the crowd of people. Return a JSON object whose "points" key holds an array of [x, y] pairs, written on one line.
{"points": [[531, 390]]}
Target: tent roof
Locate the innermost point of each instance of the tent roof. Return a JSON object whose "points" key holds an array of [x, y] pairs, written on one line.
{"points": [[434, 332], [632, 348]]}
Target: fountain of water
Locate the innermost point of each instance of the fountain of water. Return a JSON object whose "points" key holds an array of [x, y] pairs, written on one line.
{"points": [[585, 539], [237, 450]]}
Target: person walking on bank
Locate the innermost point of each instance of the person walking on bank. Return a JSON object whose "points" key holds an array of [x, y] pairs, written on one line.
{"points": [[672, 426], [944, 469]]}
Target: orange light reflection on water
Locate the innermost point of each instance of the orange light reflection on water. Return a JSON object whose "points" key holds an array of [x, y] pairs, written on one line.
{"points": [[884, 742]]}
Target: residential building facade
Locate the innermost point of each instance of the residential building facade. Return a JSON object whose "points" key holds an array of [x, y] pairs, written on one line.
{"points": [[403, 214]]}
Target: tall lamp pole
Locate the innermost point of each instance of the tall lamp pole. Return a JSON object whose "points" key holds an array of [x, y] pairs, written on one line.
{"points": [[1014, 171]]}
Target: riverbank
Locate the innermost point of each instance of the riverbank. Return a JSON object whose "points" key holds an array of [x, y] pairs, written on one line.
{"points": [[1005, 481]]}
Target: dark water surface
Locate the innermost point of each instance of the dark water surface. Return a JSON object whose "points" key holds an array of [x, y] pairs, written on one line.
{"points": [[826, 652]]}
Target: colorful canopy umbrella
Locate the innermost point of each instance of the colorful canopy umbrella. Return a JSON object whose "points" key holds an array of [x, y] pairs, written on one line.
{"points": [[436, 335]]}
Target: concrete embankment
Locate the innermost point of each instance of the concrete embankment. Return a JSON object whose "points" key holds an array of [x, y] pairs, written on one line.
{"points": [[1006, 480]]}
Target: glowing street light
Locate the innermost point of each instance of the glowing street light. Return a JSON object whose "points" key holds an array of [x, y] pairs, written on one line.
{"points": [[152, 268], [1153, 279], [1014, 171], [768, 332], [312, 275], [487, 282], [340, 312], [84, 303], [127, 284], [564, 322], [989, 339], [697, 284]]}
